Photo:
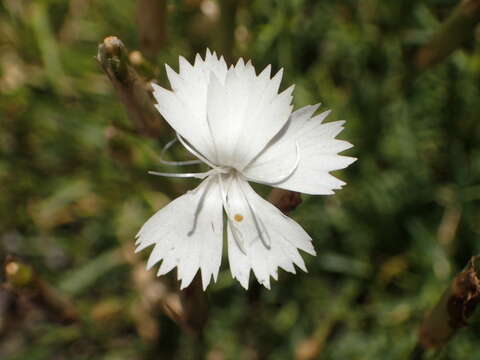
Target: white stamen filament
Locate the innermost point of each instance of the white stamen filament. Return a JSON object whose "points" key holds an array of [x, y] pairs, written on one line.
{"points": [[194, 152], [175, 163], [231, 221], [201, 175]]}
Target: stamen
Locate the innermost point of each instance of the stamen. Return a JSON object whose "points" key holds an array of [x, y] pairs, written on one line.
{"points": [[282, 177], [175, 163], [215, 169], [237, 235], [261, 228], [202, 175], [193, 151]]}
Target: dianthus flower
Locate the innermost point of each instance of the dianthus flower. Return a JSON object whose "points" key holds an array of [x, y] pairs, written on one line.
{"points": [[238, 124]]}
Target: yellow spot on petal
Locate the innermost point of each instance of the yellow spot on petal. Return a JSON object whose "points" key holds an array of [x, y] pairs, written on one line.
{"points": [[238, 217]]}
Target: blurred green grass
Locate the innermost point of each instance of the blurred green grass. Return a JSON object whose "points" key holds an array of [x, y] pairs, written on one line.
{"points": [[74, 187]]}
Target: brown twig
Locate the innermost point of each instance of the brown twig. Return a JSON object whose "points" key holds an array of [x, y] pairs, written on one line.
{"points": [[195, 306], [22, 281], [453, 309], [152, 27], [226, 35], [189, 309], [132, 90], [452, 34]]}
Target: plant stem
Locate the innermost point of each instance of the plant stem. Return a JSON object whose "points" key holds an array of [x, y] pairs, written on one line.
{"points": [[453, 309], [23, 281], [452, 33], [133, 91], [152, 26]]}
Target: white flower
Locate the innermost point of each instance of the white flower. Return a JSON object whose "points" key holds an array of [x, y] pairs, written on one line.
{"points": [[238, 124]]}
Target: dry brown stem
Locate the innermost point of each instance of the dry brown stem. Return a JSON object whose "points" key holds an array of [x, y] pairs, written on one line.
{"points": [[452, 34], [195, 306], [453, 309], [133, 91], [22, 281], [226, 35], [152, 27]]}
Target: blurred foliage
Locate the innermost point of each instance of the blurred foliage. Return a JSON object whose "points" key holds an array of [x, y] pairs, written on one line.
{"points": [[75, 189]]}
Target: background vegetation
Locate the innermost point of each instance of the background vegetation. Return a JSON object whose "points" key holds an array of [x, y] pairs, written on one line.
{"points": [[75, 189]]}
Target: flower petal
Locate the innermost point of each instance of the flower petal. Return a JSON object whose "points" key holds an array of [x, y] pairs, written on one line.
{"points": [[317, 151], [260, 237], [187, 233], [184, 108], [245, 112]]}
